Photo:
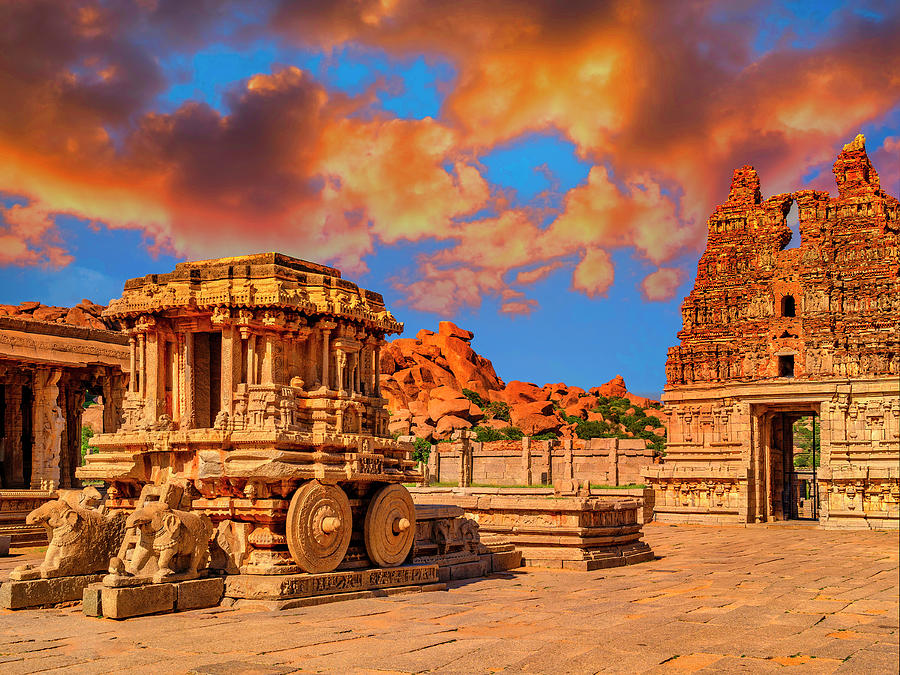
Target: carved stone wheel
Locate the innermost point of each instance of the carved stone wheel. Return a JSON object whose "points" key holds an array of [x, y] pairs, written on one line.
{"points": [[390, 526], [319, 525]]}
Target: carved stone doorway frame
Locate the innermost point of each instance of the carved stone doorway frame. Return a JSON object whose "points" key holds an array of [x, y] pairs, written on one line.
{"points": [[772, 424]]}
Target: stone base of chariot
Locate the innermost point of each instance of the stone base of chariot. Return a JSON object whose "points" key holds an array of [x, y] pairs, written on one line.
{"points": [[446, 538], [35, 593], [129, 601], [288, 591]]}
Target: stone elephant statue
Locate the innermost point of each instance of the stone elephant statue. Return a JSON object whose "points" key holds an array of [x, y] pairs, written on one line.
{"points": [[177, 541], [82, 540]]}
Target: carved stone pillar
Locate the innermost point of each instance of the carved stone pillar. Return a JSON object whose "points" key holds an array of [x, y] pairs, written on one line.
{"points": [[268, 358], [113, 393], [376, 369], [151, 377], [355, 370], [132, 348], [341, 368], [231, 367], [141, 384], [49, 423], [326, 357], [188, 370], [526, 461]]}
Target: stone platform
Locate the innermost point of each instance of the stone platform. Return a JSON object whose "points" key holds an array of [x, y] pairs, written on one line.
{"points": [[579, 533]]}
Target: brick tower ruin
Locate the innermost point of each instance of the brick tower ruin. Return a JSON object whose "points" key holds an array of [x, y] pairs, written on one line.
{"points": [[773, 334]]}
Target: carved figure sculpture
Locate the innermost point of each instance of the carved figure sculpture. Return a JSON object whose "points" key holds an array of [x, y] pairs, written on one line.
{"points": [[81, 539], [176, 541]]}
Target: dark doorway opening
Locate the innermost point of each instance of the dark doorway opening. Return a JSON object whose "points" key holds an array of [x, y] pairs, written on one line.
{"points": [[27, 408], [786, 366], [788, 306], [207, 378]]}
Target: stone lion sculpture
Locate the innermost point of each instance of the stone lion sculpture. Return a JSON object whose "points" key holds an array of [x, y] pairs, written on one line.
{"points": [[172, 543], [82, 539]]}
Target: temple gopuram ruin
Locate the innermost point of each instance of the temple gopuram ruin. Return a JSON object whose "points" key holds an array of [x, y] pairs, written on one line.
{"points": [[774, 334]]}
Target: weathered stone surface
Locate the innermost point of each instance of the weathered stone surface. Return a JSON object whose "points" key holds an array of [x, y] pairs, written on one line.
{"points": [[813, 328], [123, 603], [306, 585], [199, 593], [582, 532], [44, 592]]}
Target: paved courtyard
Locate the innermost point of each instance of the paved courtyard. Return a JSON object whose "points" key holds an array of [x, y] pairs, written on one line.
{"points": [[758, 599]]}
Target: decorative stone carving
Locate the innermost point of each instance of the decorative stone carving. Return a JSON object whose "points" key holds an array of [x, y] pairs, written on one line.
{"points": [[82, 539], [173, 545]]}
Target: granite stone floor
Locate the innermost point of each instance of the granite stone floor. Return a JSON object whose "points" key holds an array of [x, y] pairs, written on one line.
{"points": [[754, 599]]}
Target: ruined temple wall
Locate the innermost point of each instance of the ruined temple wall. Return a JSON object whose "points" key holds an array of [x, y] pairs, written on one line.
{"points": [[607, 461], [770, 330]]}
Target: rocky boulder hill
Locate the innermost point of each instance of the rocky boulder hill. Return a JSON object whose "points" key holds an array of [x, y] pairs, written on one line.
{"points": [[436, 384], [85, 314]]}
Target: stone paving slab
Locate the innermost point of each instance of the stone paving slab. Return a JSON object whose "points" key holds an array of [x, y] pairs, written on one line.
{"points": [[750, 600]]}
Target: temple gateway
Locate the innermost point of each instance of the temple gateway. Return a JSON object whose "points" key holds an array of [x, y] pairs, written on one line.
{"points": [[781, 344]]}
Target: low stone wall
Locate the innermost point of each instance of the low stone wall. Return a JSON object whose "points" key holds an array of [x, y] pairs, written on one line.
{"points": [[581, 533], [603, 461]]}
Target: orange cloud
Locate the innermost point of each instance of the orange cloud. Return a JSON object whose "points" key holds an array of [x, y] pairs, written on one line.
{"points": [[594, 274], [661, 285], [28, 236]]}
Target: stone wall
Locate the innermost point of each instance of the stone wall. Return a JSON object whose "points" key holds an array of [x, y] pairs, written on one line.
{"points": [[602, 461]]}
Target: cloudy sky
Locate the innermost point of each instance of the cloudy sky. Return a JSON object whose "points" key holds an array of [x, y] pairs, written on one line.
{"points": [[539, 172]]}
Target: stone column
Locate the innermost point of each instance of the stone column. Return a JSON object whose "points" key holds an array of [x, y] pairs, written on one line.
{"points": [[326, 357], [268, 358], [526, 461], [13, 427], [112, 401], [49, 423], [231, 365], [465, 459], [188, 417], [355, 371], [251, 359], [132, 348], [612, 474], [569, 470], [376, 370], [151, 377], [341, 368], [141, 370]]}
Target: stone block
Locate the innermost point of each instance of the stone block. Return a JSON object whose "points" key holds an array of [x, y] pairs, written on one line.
{"points": [[199, 593], [122, 603], [5, 540], [506, 560], [91, 600], [466, 571], [44, 592]]}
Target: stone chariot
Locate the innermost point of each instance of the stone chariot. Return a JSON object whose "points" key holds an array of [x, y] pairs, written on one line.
{"points": [[255, 386]]}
